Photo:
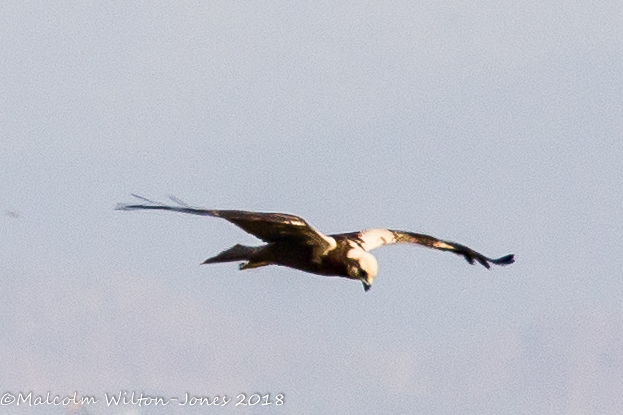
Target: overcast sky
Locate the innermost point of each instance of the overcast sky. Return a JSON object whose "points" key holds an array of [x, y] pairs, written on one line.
{"points": [[496, 124]]}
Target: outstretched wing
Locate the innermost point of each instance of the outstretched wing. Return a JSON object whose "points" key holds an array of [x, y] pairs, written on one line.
{"points": [[373, 238], [269, 227]]}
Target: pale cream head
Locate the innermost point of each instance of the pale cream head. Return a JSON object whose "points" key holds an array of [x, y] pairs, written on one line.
{"points": [[367, 267]]}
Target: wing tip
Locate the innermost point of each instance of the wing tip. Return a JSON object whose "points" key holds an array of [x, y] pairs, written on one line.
{"points": [[129, 206], [123, 206], [505, 260]]}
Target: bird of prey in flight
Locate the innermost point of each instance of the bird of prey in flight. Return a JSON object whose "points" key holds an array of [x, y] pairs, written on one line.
{"points": [[291, 242]]}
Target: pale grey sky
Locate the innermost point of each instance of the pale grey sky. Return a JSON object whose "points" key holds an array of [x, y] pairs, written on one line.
{"points": [[494, 124]]}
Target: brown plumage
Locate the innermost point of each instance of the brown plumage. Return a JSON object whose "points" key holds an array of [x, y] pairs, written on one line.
{"points": [[292, 242]]}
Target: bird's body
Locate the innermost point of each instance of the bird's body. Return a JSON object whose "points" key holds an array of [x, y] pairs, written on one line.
{"points": [[292, 242]]}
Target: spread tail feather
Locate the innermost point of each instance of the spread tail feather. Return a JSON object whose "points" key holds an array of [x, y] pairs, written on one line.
{"points": [[236, 253]]}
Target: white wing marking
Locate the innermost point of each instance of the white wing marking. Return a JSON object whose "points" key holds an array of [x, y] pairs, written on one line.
{"points": [[442, 245], [330, 240], [374, 238]]}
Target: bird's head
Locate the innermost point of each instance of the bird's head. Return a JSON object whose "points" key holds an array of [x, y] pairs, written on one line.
{"points": [[364, 267]]}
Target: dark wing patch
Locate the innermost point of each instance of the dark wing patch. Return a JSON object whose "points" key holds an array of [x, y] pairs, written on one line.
{"points": [[469, 254], [374, 238], [269, 227]]}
